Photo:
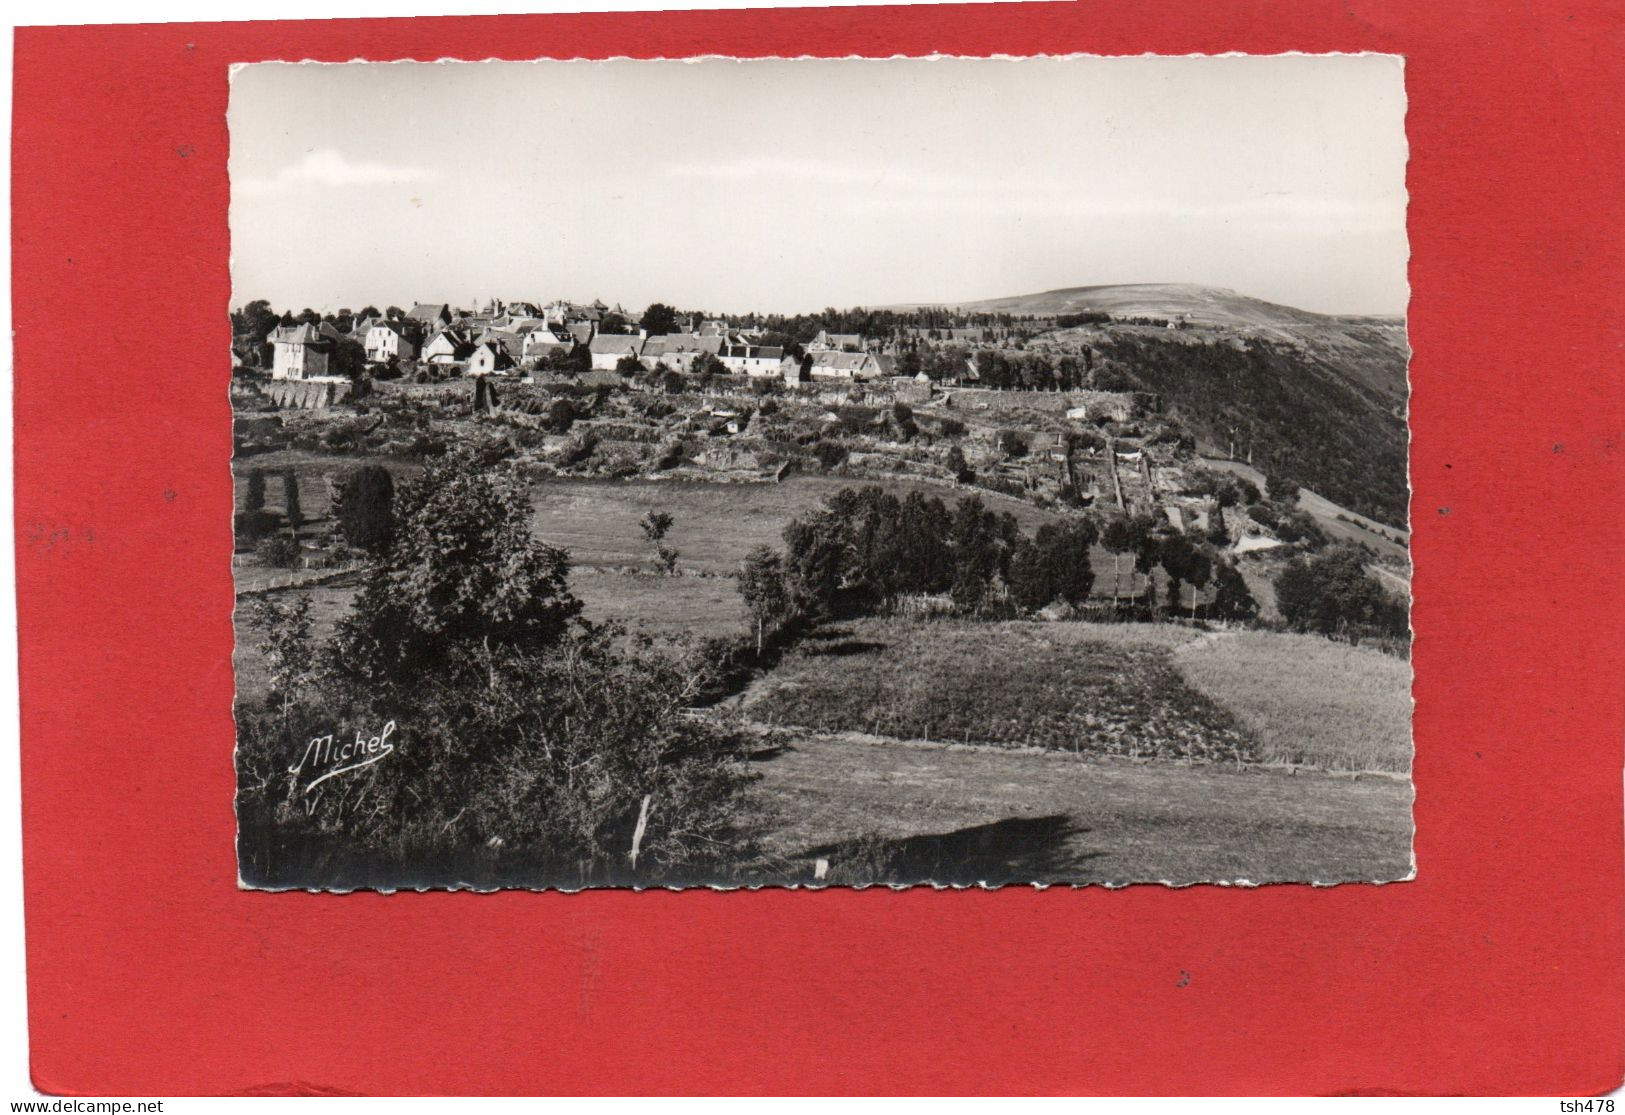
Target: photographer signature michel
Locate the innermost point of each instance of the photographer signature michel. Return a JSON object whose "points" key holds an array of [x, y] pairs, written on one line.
{"points": [[332, 758]]}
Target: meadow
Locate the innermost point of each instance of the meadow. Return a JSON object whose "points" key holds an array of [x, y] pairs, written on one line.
{"points": [[1308, 700], [881, 811], [1104, 689], [714, 524]]}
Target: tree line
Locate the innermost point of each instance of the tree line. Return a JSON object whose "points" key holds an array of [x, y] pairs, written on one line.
{"points": [[866, 550]]}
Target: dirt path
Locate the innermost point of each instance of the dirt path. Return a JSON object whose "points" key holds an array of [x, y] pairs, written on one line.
{"points": [[972, 814]]}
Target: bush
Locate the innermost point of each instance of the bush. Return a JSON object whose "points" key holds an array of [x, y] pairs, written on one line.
{"points": [[251, 526], [535, 770], [578, 448], [279, 551], [1011, 443], [561, 415], [829, 454]]}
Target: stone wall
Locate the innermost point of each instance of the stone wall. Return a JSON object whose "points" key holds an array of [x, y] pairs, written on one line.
{"points": [[304, 394]]}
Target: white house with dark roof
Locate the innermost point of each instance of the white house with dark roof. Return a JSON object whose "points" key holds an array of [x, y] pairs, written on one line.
{"points": [[537, 344], [490, 357], [300, 352], [678, 351], [752, 360], [609, 349], [844, 365], [448, 346], [387, 340], [430, 318]]}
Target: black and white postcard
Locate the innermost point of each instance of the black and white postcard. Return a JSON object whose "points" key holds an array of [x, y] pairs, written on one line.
{"points": [[821, 473]]}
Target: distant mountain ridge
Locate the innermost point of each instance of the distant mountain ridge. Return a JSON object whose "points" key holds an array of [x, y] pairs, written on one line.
{"points": [[1201, 305]]}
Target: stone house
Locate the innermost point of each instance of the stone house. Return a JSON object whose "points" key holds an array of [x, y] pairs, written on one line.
{"points": [[300, 352]]}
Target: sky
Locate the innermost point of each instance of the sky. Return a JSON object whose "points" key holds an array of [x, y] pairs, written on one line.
{"points": [[792, 185]]}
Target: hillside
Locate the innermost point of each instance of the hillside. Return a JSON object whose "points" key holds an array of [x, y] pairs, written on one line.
{"points": [[1318, 400], [1307, 415], [1200, 305]]}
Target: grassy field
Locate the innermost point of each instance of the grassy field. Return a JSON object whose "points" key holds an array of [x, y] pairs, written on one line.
{"points": [[967, 815], [1088, 688], [662, 606], [715, 525], [1307, 699]]}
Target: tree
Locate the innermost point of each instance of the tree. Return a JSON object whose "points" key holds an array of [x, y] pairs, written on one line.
{"points": [[955, 463], [655, 524], [982, 542], [349, 358], [1054, 565], [250, 326], [254, 322], [614, 323], [1011, 444], [290, 501], [1232, 599], [1185, 563], [659, 319], [255, 500], [365, 508], [766, 592], [629, 365], [394, 313], [1333, 594], [462, 575], [817, 558]]}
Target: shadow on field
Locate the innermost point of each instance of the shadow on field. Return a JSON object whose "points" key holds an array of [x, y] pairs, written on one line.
{"points": [[1014, 850], [837, 642]]}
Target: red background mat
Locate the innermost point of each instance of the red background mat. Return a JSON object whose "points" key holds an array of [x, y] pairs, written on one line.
{"points": [[1498, 969]]}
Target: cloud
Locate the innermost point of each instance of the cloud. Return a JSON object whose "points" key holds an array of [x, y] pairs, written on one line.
{"points": [[327, 168]]}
